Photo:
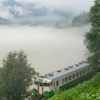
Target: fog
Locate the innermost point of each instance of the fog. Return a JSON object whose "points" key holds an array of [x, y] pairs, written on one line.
{"points": [[48, 49]]}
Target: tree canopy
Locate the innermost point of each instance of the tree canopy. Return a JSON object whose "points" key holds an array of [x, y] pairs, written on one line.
{"points": [[16, 76], [81, 19], [92, 38]]}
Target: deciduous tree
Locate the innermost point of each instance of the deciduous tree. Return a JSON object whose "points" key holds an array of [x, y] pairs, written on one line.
{"points": [[17, 76]]}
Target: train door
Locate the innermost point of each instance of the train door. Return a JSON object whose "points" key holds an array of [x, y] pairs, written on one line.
{"points": [[57, 85], [40, 85]]}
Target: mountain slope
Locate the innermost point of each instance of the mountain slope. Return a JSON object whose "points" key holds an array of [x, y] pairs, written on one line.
{"points": [[21, 13]]}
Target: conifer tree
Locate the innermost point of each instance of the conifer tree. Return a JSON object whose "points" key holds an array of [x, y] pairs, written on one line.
{"points": [[92, 38]]}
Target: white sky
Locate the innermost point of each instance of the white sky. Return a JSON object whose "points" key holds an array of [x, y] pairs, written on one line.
{"points": [[76, 5]]}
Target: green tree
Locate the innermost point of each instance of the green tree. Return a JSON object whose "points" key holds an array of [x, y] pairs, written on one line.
{"points": [[17, 76], [92, 38], [81, 19]]}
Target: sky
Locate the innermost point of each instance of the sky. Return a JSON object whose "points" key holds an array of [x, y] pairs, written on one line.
{"points": [[74, 6]]}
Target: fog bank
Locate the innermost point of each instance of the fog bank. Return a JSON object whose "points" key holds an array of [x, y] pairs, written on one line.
{"points": [[48, 49]]}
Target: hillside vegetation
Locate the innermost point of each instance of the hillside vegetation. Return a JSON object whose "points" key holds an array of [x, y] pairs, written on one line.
{"points": [[89, 90], [81, 19]]}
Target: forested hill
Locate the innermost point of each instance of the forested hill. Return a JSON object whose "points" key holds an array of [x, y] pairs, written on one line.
{"points": [[78, 20], [81, 19]]}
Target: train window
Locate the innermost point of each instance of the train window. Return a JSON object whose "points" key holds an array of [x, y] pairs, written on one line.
{"points": [[57, 83], [77, 74], [40, 84], [83, 71], [73, 75], [62, 80], [46, 84], [66, 79], [36, 82], [51, 83], [70, 77], [54, 84], [80, 72]]}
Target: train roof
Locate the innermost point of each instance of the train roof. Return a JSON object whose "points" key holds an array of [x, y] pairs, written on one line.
{"points": [[64, 71]]}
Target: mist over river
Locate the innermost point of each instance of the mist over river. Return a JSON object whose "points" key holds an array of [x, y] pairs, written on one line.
{"points": [[48, 49]]}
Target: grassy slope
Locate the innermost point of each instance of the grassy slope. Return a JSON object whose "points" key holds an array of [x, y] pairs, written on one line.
{"points": [[89, 90]]}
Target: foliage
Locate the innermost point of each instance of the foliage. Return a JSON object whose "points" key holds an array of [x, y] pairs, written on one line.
{"points": [[89, 90], [17, 76], [92, 38], [81, 19], [1, 82]]}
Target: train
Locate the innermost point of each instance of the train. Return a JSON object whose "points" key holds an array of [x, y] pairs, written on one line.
{"points": [[48, 84]]}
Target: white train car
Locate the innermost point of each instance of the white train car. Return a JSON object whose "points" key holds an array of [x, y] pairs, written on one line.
{"points": [[50, 83]]}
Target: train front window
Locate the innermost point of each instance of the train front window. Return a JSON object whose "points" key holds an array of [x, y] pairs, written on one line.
{"points": [[46, 84], [36, 82]]}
